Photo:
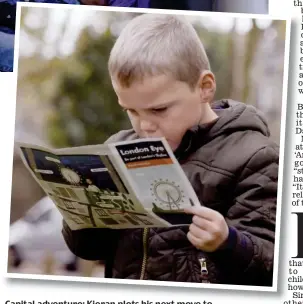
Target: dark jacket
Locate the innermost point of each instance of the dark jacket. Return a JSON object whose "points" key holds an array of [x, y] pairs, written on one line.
{"points": [[233, 167]]}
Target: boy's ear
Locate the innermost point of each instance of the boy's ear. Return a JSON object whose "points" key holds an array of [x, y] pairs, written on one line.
{"points": [[207, 86]]}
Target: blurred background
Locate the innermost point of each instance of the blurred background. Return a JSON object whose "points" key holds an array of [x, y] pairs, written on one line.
{"points": [[65, 98]]}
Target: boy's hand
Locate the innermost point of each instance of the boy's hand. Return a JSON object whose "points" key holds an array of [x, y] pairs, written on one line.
{"points": [[208, 230]]}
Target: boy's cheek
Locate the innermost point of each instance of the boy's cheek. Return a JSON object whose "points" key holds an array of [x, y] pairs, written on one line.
{"points": [[135, 125]]}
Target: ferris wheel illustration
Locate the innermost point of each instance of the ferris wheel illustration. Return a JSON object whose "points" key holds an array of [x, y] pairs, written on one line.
{"points": [[167, 194], [70, 175]]}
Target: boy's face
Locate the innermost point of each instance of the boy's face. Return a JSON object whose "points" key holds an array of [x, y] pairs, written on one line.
{"points": [[162, 107]]}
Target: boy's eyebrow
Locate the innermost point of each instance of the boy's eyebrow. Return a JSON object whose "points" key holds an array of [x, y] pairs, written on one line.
{"points": [[162, 105]]}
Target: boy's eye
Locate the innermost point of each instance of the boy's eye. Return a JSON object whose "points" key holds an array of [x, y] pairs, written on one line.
{"points": [[159, 110]]}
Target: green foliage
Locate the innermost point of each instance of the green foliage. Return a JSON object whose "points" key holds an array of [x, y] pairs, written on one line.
{"points": [[219, 49], [86, 107]]}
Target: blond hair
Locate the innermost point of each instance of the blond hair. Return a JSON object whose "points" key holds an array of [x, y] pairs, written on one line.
{"points": [[157, 44]]}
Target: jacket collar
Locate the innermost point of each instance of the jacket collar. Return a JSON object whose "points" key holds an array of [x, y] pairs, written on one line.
{"points": [[193, 139]]}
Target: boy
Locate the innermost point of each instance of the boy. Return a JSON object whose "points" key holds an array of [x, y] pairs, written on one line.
{"points": [[161, 75]]}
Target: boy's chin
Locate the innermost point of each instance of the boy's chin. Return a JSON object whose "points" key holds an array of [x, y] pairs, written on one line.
{"points": [[173, 145]]}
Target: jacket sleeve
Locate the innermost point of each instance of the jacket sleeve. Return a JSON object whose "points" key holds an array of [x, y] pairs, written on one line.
{"points": [[91, 243], [249, 250]]}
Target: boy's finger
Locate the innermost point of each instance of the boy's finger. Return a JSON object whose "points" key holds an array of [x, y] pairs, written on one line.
{"points": [[202, 223], [202, 211], [199, 242], [194, 240], [197, 231]]}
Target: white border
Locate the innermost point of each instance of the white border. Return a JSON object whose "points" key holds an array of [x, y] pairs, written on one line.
{"points": [[282, 151], [282, 147]]}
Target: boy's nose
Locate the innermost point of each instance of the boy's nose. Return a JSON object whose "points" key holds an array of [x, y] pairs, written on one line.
{"points": [[148, 127]]}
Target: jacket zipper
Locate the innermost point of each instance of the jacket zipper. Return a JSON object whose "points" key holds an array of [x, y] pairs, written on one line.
{"points": [[143, 267], [204, 271]]}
